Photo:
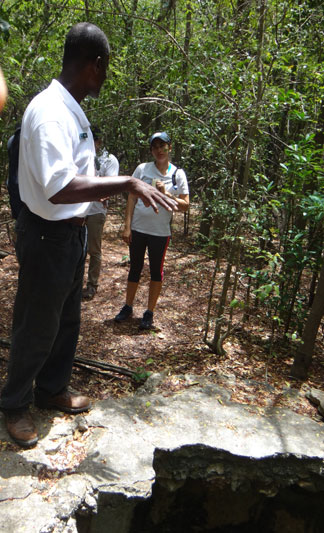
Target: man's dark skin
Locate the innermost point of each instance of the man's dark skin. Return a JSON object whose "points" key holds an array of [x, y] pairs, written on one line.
{"points": [[87, 81]]}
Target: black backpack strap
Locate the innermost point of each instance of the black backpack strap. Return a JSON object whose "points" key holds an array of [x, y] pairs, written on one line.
{"points": [[174, 178]]}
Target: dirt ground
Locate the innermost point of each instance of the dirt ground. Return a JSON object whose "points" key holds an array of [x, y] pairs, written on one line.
{"points": [[176, 344]]}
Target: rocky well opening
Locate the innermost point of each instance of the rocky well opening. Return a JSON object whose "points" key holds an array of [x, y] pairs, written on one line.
{"points": [[202, 489]]}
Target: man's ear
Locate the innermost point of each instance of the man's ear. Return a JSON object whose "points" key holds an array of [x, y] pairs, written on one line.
{"points": [[98, 63]]}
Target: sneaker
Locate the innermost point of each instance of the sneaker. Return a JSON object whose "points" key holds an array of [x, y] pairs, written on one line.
{"points": [[124, 313], [147, 320], [21, 427], [89, 292]]}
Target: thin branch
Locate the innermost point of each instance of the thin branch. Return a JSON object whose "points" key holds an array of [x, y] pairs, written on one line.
{"points": [[5, 343], [98, 371], [104, 366], [4, 253], [165, 102]]}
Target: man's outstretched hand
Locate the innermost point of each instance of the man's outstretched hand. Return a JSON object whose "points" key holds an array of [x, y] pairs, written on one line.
{"points": [[89, 189], [151, 196]]}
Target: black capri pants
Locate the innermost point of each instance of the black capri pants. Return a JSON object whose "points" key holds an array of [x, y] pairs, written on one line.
{"points": [[156, 247]]}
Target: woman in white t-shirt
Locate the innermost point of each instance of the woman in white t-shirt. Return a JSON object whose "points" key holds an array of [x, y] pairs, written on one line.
{"points": [[146, 229]]}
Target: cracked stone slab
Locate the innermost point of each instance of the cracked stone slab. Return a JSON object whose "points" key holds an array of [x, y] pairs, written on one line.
{"points": [[121, 436]]}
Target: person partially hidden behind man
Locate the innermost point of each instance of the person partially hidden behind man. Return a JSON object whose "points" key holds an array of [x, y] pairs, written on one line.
{"points": [[56, 183], [106, 165]]}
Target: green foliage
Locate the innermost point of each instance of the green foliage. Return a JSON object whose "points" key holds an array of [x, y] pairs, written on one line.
{"points": [[140, 375]]}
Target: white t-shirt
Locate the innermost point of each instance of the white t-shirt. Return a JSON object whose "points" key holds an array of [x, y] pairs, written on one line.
{"points": [[56, 145], [145, 220], [109, 166]]}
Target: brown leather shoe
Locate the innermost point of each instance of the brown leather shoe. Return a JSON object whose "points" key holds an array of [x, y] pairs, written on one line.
{"points": [[67, 401], [21, 427]]}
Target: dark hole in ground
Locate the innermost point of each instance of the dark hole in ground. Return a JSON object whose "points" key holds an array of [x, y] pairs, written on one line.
{"points": [[199, 507]]}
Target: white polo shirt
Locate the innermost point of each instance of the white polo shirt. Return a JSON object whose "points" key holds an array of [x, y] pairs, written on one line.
{"points": [[144, 219], [56, 145]]}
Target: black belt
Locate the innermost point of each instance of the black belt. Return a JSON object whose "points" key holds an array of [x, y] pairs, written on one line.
{"points": [[76, 221]]}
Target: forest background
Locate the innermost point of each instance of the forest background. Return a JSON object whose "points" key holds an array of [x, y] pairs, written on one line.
{"points": [[239, 85]]}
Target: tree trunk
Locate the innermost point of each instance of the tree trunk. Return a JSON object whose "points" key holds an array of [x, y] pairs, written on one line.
{"points": [[86, 8], [303, 357], [206, 220], [185, 64]]}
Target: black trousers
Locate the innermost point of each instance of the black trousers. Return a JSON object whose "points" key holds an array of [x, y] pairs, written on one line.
{"points": [[46, 318]]}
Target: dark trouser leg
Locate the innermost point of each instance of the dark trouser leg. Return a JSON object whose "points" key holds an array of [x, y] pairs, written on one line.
{"points": [[47, 308], [56, 371]]}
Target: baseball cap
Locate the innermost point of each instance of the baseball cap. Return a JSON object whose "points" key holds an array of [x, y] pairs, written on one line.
{"points": [[160, 135]]}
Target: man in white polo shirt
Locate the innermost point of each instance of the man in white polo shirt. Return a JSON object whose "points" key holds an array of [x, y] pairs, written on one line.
{"points": [[57, 182]]}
